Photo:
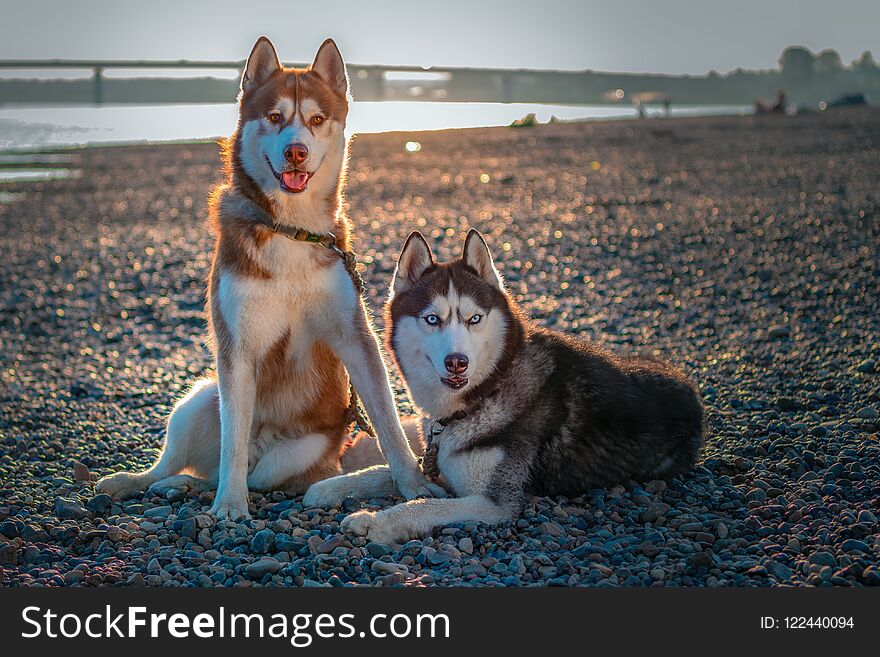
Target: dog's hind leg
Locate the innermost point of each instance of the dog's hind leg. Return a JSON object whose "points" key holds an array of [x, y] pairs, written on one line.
{"points": [[291, 461], [364, 451], [370, 482], [191, 443]]}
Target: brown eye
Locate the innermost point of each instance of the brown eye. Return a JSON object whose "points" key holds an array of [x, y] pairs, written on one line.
{"points": [[317, 120], [274, 117]]}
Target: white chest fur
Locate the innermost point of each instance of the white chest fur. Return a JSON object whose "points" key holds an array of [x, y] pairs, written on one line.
{"points": [[469, 472], [300, 298]]}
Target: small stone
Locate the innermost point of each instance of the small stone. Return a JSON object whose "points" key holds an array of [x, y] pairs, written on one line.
{"points": [[394, 579], [263, 541], [649, 549], [81, 472], [756, 495], [871, 576], [117, 534], [867, 413], [823, 559], [100, 503], [66, 508], [778, 331], [384, 567], [517, 565], [655, 486], [8, 554], [855, 545], [437, 558], [867, 366], [204, 520], [377, 550], [721, 530], [175, 495], [330, 544], [866, 517], [466, 545], [158, 512], [136, 580], [779, 570], [474, 569], [187, 528], [654, 512], [313, 542], [552, 529], [700, 560], [258, 569]]}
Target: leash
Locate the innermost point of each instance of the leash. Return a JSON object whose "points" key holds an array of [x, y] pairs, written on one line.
{"points": [[354, 414], [428, 460]]}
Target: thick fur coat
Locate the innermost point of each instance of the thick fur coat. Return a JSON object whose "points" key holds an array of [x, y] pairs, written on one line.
{"points": [[511, 409], [286, 323]]}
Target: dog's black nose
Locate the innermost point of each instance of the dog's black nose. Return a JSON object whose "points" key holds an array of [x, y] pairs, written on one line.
{"points": [[296, 153], [456, 363]]}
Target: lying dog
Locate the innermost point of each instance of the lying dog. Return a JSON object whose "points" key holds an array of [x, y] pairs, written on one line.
{"points": [[510, 409], [285, 317]]}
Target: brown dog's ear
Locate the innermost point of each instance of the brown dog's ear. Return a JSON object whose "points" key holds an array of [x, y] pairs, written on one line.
{"points": [[476, 255], [414, 260], [329, 65], [261, 64]]}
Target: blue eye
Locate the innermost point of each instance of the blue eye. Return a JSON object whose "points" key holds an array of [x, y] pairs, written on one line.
{"points": [[432, 320], [475, 319]]}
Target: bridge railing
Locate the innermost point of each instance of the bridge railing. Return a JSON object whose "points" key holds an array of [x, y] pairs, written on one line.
{"points": [[369, 82]]}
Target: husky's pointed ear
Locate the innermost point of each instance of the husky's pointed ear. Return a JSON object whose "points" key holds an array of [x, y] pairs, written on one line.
{"points": [[476, 255], [261, 64], [329, 65], [414, 260]]}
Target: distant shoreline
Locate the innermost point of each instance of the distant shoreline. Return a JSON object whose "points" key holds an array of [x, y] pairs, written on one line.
{"points": [[41, 128]]}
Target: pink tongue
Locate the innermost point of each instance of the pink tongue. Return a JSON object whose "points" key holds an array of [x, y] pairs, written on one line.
{"points": [[296, 180]]}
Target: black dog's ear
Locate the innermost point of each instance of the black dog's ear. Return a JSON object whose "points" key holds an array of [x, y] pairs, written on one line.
{"points": [[476, 255], [261, 64], [329, 65], [414, 259]]}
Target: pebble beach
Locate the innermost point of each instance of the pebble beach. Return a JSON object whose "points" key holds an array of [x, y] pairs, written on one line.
{"points": [[744, 249]]}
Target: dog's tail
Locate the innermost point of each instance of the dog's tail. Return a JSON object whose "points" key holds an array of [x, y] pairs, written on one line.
{"points": [[363, 451]]}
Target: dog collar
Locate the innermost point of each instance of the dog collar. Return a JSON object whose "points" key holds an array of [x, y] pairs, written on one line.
{"points": [[327, 240], [439, 424]]}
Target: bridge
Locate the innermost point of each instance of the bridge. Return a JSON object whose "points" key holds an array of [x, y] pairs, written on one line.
{"points": [[368, 82]]}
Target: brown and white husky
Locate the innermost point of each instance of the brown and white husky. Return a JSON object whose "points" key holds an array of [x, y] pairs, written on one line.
{"points": [[286, 323]]}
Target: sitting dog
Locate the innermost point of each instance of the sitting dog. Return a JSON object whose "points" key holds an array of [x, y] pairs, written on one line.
{"points": [[286, 320], [511, 409]]}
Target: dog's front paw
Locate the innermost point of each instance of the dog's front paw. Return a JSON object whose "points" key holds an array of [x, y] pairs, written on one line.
{"points": [[375, 526], [230, 510], [328, 493], [415, 484], [120, 485]]}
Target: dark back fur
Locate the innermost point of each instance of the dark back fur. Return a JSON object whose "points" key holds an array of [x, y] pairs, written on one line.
{"points": [[589, 419]]}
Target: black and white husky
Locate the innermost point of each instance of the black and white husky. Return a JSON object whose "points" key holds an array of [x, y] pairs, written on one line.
{"points": [[510, 409]]}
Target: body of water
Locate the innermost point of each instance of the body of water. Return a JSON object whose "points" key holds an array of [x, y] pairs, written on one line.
{"points": [[35, 128], [24, 130]]}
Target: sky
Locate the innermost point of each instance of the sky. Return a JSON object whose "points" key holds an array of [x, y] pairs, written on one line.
{"points": [[658, 36]]}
